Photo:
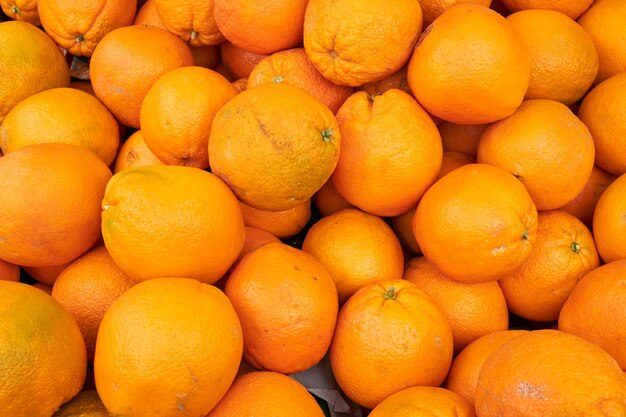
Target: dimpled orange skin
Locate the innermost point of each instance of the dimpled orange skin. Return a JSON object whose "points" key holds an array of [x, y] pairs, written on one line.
{"points": [[150, 234], [590, 311], [466, 366], [267, 394], [282, 224], [287, 304], [9, 272], [145, 53], [178, 111], [572, 8], [461, 138], [354, 42], [135, 153], [192, 20], [41, 233], [274, 145], [191, 324], [584, 204], [25, 10], [293, 67], [390, 153], [562, 375], [609, 222], [470, 67], [424, 402], [473, 310], [237, 61], [62, 115], [497, 228], [327, 200], [546, 147], [388, 339]]}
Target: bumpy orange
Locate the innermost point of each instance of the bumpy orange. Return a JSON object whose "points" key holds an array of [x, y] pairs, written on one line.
{"points": [[193, 21], [25, 10]]}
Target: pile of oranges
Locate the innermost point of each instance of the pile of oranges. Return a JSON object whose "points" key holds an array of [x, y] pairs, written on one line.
{"points": [[430, 194]]}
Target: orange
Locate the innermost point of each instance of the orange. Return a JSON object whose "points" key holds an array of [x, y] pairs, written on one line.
{"points": [[255, 238], [546, 147], [572, 8], [42, 354], [61, 115], [403, 227], [41, 233], [592, 312], [274, 145], [150, 234], [357, 248], [602, 112], [287, 304], [432, 9], [472, 235], [609, 221], [282, 224], [145, 53], [78, 27], [9, 272], [473, 310], [461, 138], [178, 111], [148, 15], [562, 375], [585, 203], [25, 10], [396, 80], [453, 160], [240, 84], [390, 152], [327, 200], [262, 27], [167, 346], [604, 21], [87, 287], [563, 57], [85, 404], [193, 21], [470, 67], [30, 62], [237, 61], [83, 85], [354, 42], [424, 401], [390, 336], [563, 252], [466, 366], [293, 67], [135, 153], [267, 394], [45, 274], [206, 56]]}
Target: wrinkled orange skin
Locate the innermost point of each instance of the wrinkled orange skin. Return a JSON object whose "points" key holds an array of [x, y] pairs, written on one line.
{"points": [[192, 20], [25, 10]]}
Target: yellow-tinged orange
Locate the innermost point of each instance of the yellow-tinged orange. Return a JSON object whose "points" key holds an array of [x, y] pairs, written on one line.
{"points": [[135, 153], [192, 20], [25, 10], [282, 224], [424, 401]]}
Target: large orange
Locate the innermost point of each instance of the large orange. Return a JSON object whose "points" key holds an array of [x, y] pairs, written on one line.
{"points": [[424, 401], [178, 111], [473, 310], [563, 252], [167, 346], [476, 224], [357, 248], [470, 67], [287, 304], [145, 53], [572, 8], [194, 21], [293, 67], [135, 153], [25, 10], [390, 336], [602, 112], [585, 202], [274, 145], [43, 362], [9, 271], [546, 147], [87, 287], [262, 27], [239, 62], [432, 9], [282, 224], [327, 199], [354, 42], [85, 404], [466, 366], [150, 233], [609, 221], [61, 115], [563, 57], [604, 21], [78, 27], [461, 138], [30, 62], [390, 153], [267, 394], [550, 373], [593, 310], [40, 233]]}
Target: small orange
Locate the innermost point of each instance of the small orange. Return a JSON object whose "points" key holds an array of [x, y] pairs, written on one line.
{"points": [[473, 310], [390, 336], [572, 8], [584, 204], [148, 15], [357, 248], [498, 227], [403, 227], [354, 42], [469, 67], [609, 221], [178, 111], [327, 200], [390, 152], [25, 10], [192, 21], [287, 304], [43, 287], [135, 153], [453, 160], [461, 138], [432, 9], [424, 401], [85, 404], [237, 61], [45, 274], [396, 80], [9, 272], [267, 394], [255, 238], [240, 85], [83, 85], [282, 224]]}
